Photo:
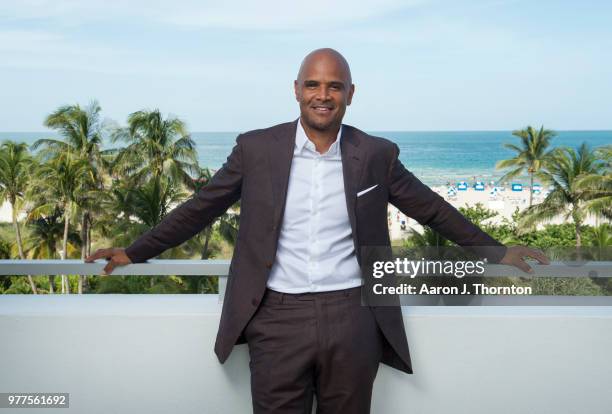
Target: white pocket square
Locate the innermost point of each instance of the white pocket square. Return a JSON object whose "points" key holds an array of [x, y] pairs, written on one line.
{"points": [[362, 192]]}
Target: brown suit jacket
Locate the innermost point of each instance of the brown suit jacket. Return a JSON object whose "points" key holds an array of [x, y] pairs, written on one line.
{"points": [[257, 172]]}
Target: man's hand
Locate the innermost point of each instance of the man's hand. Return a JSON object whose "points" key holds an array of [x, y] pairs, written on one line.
{"points": [[515, 257], [115, 256]]}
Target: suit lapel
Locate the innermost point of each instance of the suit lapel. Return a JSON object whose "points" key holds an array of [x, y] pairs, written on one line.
{"points": [[353, 159], [280, 156]]}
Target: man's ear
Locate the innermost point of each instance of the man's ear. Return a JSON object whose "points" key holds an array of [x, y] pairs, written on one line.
{"points": [[350, 95], [296, 89]]}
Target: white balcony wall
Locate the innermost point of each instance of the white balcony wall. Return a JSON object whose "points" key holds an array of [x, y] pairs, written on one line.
{"points": [[154, 354]]}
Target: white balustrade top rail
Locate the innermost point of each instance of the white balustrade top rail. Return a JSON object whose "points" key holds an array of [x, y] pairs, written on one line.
{"points": [[221, 268]]}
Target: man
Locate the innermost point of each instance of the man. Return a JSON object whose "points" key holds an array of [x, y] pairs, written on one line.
{"points": [[313, 193]]}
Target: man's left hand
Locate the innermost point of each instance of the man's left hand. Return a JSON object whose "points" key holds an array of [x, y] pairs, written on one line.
{"points": [[515, 257]]}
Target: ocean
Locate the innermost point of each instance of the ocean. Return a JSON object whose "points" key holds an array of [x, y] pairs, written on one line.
{"points": [[435, 157]]}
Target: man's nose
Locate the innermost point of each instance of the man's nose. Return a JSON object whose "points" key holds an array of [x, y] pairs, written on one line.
{"points": [[323, 93]]}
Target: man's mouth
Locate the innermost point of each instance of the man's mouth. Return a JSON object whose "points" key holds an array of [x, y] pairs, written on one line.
{"points": [[322, 109]]}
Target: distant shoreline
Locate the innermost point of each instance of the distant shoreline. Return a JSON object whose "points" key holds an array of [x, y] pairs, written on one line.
{"points": [[435, 157]]}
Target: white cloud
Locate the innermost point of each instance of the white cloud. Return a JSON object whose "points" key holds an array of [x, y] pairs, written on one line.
{"points": [[45, 50]]}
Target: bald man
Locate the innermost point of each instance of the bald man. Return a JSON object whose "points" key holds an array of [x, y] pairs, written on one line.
{"points": [[313, 192]]}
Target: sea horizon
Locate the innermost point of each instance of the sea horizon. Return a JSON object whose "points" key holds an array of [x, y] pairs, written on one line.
{"points": [[435, 157]]}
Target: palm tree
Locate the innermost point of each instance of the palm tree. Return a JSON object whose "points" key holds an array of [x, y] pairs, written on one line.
{"points": [[602, 236], [598, 187], [155, 199], [81, 130], [156, 147], [530, 156], [564, 171], [15, 168], [60, 183], [117, 220], [46, 234]]}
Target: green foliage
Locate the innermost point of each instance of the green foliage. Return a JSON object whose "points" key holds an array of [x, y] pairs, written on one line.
{"points": [[477, 214], [5, 249], [564, 171], [532, 156], [18, 285], [156, 146], [550, 239], [566, 287], [154, 284]]}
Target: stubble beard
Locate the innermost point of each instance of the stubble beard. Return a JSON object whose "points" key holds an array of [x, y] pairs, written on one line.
{"points": [[320, 126]]}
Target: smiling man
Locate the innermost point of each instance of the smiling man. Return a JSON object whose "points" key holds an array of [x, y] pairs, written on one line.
{"points": [[313, 192]]}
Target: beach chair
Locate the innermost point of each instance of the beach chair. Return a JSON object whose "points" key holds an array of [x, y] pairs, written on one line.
{"points": [[493, 194], [537, 189]]}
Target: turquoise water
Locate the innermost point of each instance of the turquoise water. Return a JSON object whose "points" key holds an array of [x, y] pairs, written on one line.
{"points": [[434, 156]]}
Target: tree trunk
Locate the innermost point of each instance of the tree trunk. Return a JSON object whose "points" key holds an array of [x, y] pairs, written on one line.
{"points": [[20, 245], [577, 224], [84, 233], [65, 281], [531, 189], [88, 240], [86, 281]]}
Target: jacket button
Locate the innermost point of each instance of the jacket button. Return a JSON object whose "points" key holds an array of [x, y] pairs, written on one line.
{"points": [[269, 265], [255, 302]]}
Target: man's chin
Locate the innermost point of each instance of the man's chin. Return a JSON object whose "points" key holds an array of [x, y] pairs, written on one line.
{"points": [[321, 126]]}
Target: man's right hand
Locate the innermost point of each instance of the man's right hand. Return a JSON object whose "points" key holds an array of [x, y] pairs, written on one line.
{"points": [[116, 257]]}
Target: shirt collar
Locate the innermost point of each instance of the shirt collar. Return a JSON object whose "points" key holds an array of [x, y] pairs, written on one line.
{"points": [[301, 140]]}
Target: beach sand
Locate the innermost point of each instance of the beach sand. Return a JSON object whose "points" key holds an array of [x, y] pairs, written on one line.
{"points": [[504, 203], [6, 213]]}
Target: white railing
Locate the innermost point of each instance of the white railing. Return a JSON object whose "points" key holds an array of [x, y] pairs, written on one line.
{"points": [[154, 353]]}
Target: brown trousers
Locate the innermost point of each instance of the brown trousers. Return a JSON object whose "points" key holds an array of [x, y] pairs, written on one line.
{"points": [[323, 344]]}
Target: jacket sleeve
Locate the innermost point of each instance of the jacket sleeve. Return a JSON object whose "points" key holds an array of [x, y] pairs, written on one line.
{"points": [[418, 201], [189, 218]]}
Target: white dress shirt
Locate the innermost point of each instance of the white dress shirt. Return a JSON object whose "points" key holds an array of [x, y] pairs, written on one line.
{"points": [[315, 248]]}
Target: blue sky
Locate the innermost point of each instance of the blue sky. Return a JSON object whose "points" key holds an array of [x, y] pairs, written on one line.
{"points": [[229, 66]]}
